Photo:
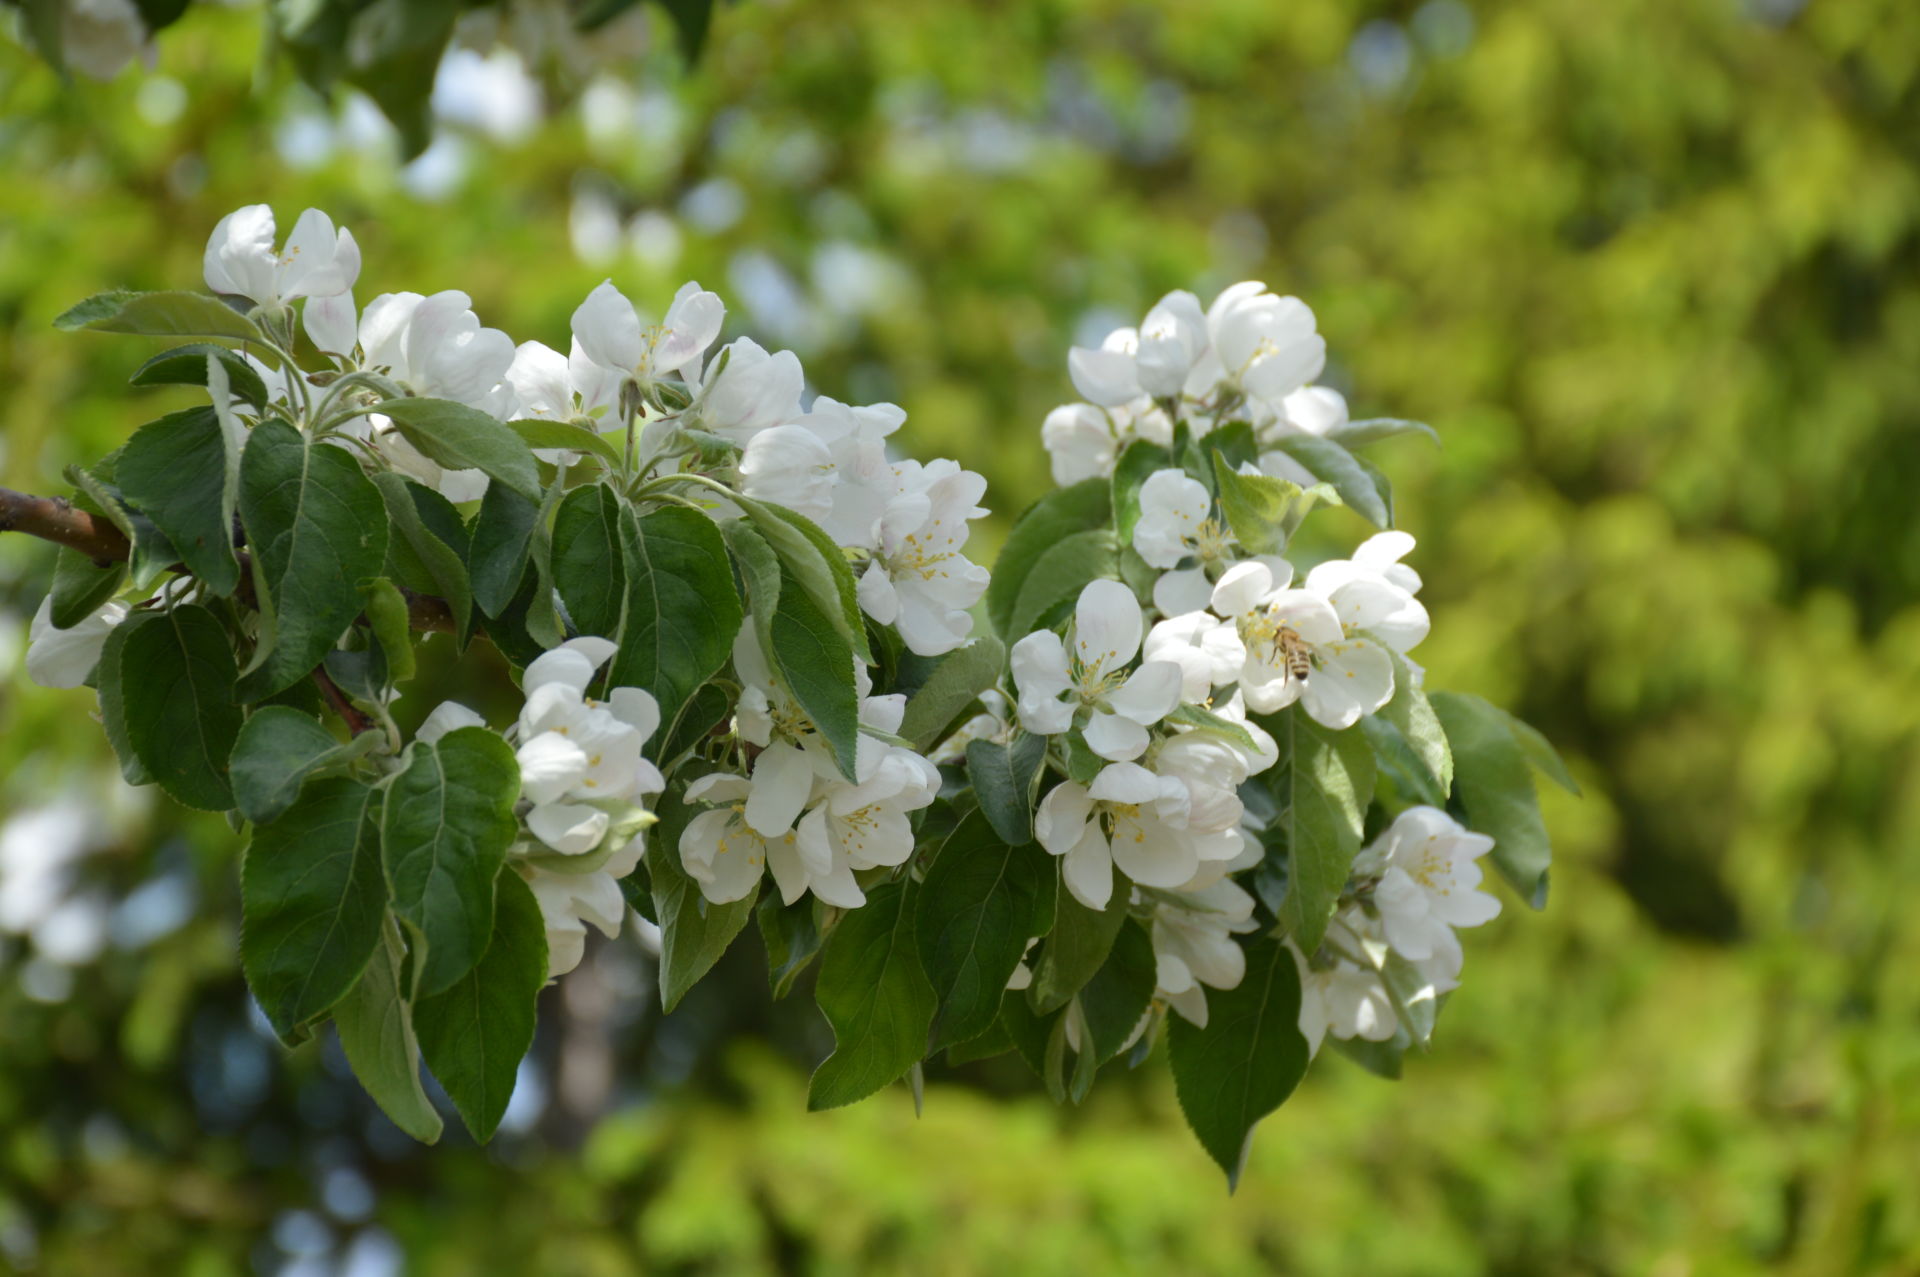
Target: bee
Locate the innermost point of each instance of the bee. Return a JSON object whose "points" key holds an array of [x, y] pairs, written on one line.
{"points": [[1297, 655]]}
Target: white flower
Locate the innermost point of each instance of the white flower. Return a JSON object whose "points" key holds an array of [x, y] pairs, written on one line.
{"points": [[1106, 637], [1172, 342], [556, 387], [790, 466], [1377, 558], [579, 757], [864, 825], [1429, 877], [435, 347], [1207, 649], [1193, 945], [1266, 345], [1080, 441], [1176, 524], [99, 37], [1297, 650], [722, 851], [749, 390], [65, 658], [919, 581], [610, 333], [570, 900], [1109, 376], [865, 481], [1127, 817], [318, 261], [1346, 999]]}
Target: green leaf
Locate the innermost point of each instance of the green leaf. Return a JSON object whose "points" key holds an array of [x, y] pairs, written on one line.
{"points": [[682, 610], [151, 552], [312, 900], [815, 663], [759, 575], [81, 586], [1541, 753], [1116, 996], [708, 709], [1382, 1059], [1411, 714], [176, 692], [792, 936], [279, 749], [538, 433], [814, 560], [1082, 507], [1040, 1040], [1323, 783], [386, 610], [1358, 434], [437, 557], [1400, 765], [317, 527], [187, 366], [394, 48], [498, 557], [444, 834], [1349, 476], [162, 314], [1003, 777], [956, 682], [1247, 1060], [587, 568], [875, 995], [375, 1022], [694, 932], [975, 913], [1077, 946], [475, 1034], [1494, 786], [1264, 512], [1053, 585], [1234, 443], [113, 714], [463, 438], [1206, 720], [183, 472], [1136, 464]]}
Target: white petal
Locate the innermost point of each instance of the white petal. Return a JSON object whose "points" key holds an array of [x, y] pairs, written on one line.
{"points": [[446, 717], [562, 665], [782, 779], [1181, 591], [1062, 817], [1149, 694], [1113, 737], [1125, 783], [572, 828], [1087, 869], [1106, 627], [1105, 377], [550, 765], [1242, 588]]}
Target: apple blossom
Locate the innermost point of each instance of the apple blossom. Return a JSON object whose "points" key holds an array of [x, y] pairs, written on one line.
{"points": [[1193, 945], [610, 334], [1296, 650], [919, 580], [1120, 706], [1428, 872], [65, 658], [1128, 817], [318, 261]]}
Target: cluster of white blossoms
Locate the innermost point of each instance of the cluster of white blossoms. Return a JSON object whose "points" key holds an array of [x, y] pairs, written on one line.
{"points": [[583, 781], [1421, 880], [1227, 633], [906, 523], [1145, 701], [795, 815]]}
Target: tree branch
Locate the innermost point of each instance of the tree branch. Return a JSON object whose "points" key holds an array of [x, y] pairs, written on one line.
{"points": [[356, 721], [55, 519]]}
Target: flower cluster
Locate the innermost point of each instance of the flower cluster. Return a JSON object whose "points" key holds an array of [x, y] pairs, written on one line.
{"points": [[1192, 748]]}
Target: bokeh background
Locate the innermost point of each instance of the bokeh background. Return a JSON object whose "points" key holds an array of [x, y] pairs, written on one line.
{"points": [[1651, 267]]}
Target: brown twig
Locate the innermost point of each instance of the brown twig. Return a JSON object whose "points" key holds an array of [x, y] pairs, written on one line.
{"points": [[55, 519], [356, 721]]}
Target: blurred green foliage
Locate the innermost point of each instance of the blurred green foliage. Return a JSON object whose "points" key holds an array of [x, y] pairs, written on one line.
{"points": [[1649, 267]]}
